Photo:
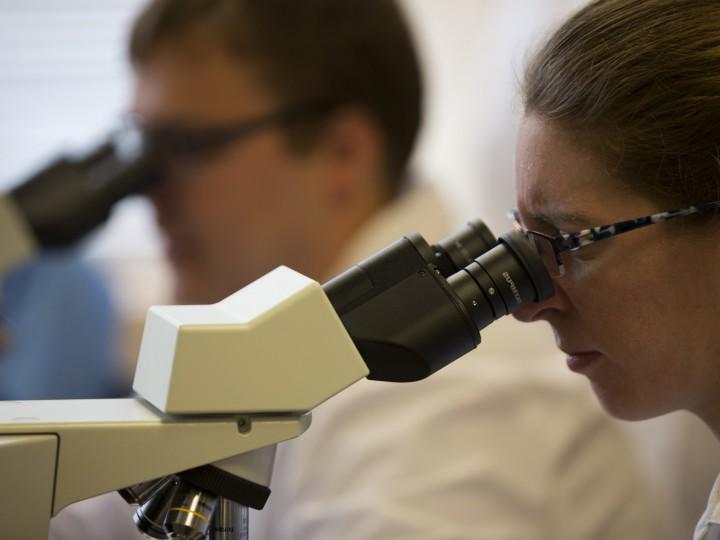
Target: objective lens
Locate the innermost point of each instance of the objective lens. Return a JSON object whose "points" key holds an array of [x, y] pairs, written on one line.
{"points": [[190, 513], [150, 517], [501, 280], [230, 521], [139, 494]]}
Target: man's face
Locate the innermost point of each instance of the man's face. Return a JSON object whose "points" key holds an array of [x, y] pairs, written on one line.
{"points": [[231, 215]]}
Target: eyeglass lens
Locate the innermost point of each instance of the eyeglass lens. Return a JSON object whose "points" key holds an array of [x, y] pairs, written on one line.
{"points": [[547, 252]]}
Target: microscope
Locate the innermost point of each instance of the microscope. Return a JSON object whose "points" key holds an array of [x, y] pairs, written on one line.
{"points": [[218, 386]]}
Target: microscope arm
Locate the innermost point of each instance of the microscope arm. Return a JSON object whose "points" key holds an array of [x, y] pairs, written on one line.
{"points": [[53, 453]]}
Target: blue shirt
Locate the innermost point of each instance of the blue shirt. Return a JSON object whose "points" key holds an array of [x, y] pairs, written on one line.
{"points": [[60, 329]]}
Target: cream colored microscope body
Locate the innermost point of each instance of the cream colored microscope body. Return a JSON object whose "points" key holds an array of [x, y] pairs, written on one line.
{"points": [[218, 384]]}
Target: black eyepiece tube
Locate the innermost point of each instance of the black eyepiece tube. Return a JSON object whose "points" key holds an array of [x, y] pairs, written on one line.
{"points": [[503, 279], [460, 249], [408, 319], [70, 197]]}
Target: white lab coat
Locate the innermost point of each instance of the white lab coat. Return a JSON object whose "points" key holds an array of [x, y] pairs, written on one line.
{"points": [[711, 517]]}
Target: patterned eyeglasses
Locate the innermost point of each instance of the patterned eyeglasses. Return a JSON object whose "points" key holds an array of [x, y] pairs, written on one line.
{"points": [[550, 247]]}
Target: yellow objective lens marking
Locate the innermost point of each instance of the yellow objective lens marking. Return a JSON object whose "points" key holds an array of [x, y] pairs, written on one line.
{"points": [[178, 509]]}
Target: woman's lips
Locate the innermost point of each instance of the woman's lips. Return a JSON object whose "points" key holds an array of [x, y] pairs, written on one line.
{"points": [[582, 361]]}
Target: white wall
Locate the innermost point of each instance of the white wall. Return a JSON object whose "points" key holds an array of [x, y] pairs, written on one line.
{"points": [[473, 52]]}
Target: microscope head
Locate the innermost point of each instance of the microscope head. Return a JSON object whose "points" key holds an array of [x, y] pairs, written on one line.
{"points": [[276, 345]]}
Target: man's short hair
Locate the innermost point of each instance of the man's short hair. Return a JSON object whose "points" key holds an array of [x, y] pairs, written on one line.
{"points": [[343, 52]]}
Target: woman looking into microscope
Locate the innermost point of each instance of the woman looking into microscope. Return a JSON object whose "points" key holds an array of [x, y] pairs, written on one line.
{"points": [[618, 181]]}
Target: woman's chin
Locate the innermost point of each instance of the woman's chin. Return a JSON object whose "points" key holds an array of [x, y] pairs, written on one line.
{"points": [[630, 407]]}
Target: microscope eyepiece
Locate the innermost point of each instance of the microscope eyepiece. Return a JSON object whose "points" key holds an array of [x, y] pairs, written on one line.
{"points": [[71, 196], [499, 281], [460, 249], [411, 309]]}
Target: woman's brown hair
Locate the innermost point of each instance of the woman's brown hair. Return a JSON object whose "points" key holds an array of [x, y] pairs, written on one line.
{"points": [[640, 80]]}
